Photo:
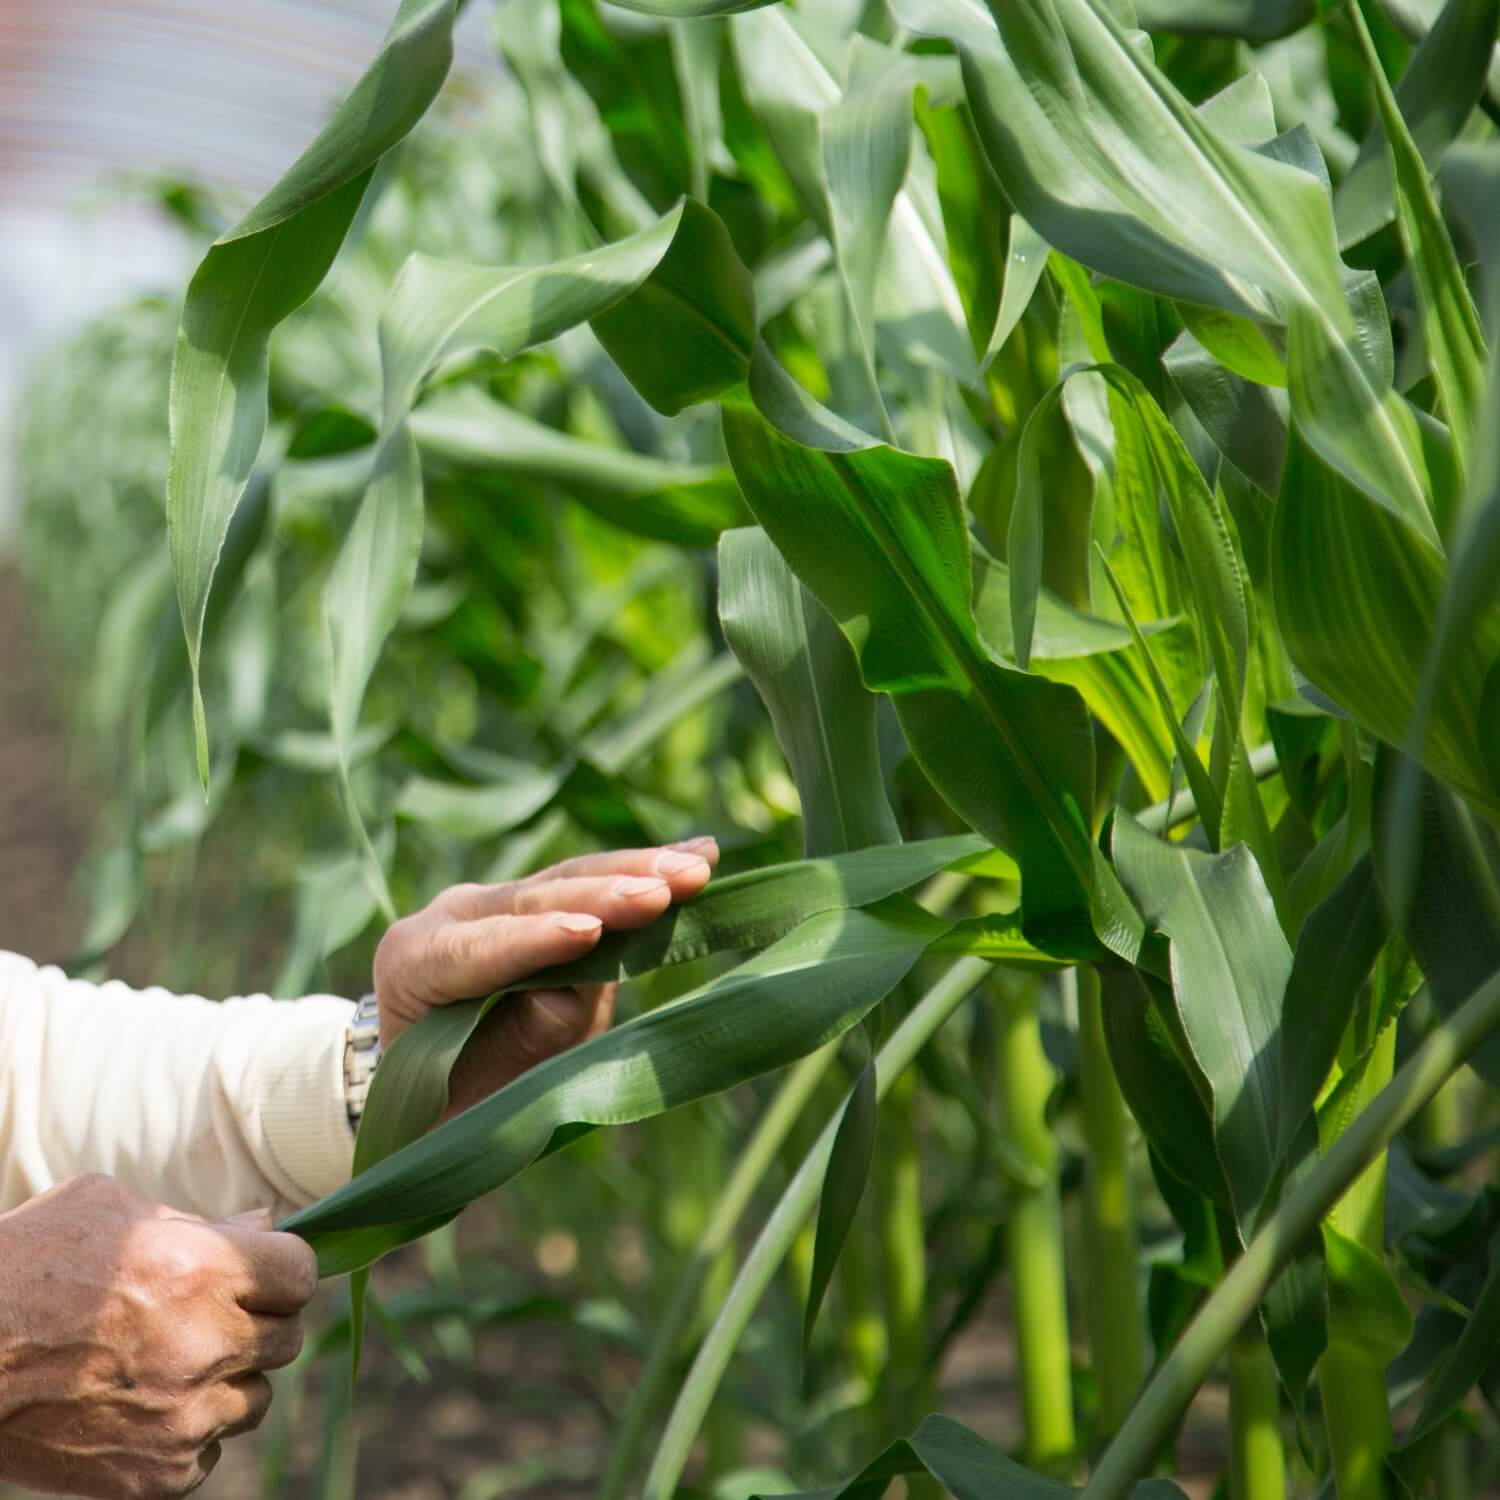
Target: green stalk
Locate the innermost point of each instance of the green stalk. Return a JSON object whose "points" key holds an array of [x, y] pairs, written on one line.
{"points": [[907, 1396], [1356, 1410], [1034, 1239], [1112, 1287], [718, 1232], [776, 1236], [1235, 1299], [1257, 1458]]}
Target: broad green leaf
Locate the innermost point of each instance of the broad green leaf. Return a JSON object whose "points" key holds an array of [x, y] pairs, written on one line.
{"points": [[1025, 263], [967, 1467], [680, 9], [842, 145], [803, 991], [1110, 164], [1357, 601], [1247, 421], [679, 279], [1450, 323], [1251, 20], [1240, 345], [879, 537], [843, 1188], [1160, 1079], [253, 278], [808, 678], [1442, 882], [1472, 1355], [363, 599], [1210, 811], [735, 914], [1366, 1308], [1335, 952], [1435, 96], [1229, 965], [689, 504], [740, 912]]}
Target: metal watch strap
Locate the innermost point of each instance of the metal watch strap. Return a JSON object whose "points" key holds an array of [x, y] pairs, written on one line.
{"points": [[361, 1053]]}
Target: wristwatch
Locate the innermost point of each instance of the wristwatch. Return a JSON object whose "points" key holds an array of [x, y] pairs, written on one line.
{"points": [[361, 1053]]}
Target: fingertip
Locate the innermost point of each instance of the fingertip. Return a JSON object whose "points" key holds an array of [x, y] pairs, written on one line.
{"points": [[578, 924], [705, 846]]}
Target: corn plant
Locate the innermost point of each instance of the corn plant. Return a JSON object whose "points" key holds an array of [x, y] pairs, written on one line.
{"points": [[1092, 422]]}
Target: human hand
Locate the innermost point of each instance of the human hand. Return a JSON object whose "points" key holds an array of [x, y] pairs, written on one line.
{"points": [[133, 1338], [476, 939]]}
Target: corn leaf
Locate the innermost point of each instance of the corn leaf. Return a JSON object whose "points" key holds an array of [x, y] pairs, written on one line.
{"points": [[801, 992], [1111, 165], [967, 1467], [806, 674], [366, 591], [1436, 95], [1357, 599], [879, 537], [1450, 322], [253, 278], [688, 504], [1250, 20], [1229, 972], [679, 278]]}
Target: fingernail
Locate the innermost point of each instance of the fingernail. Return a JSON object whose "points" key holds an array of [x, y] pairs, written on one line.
{"points": [[703, 844], [639, 885], [254, 1218], [576, 921], [679, 864]]}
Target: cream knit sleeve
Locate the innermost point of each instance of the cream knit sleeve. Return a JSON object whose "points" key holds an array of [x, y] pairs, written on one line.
{"points": [[214, 1108]]}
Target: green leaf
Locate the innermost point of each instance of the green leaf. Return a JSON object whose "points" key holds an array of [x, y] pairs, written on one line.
{"points": [[464, 431], [1450, 323], [1204, 792], [1365, 1306], [846, 149], [1472, 1355], [1111, 165], [843, 1188], [806, 673], [1025, 263], [1250, 20], [679, 279], [967, 1467], [803, 991], [879, 537], [1247, 422], [253, 278], [1436, 96], [732, 915], [1441, 879], [682, 9], [1230, 965], [1357, 600], [1335, 952], [366, 590]]}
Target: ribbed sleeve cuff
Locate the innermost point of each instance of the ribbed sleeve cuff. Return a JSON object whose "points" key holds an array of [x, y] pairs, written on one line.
{"points": [[300, 1095]]}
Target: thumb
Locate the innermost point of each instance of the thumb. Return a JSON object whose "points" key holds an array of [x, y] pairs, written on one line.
{"points": [[254, 1218]]}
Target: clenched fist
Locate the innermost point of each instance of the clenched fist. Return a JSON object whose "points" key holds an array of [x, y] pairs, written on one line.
{"points": [[134, 1338], [476, 939]]}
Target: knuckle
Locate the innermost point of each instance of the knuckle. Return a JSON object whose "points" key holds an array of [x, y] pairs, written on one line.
{"points": [[172, 1257]]}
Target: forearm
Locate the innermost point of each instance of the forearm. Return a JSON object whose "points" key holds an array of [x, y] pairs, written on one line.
{"points": [[210, 1107]]}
